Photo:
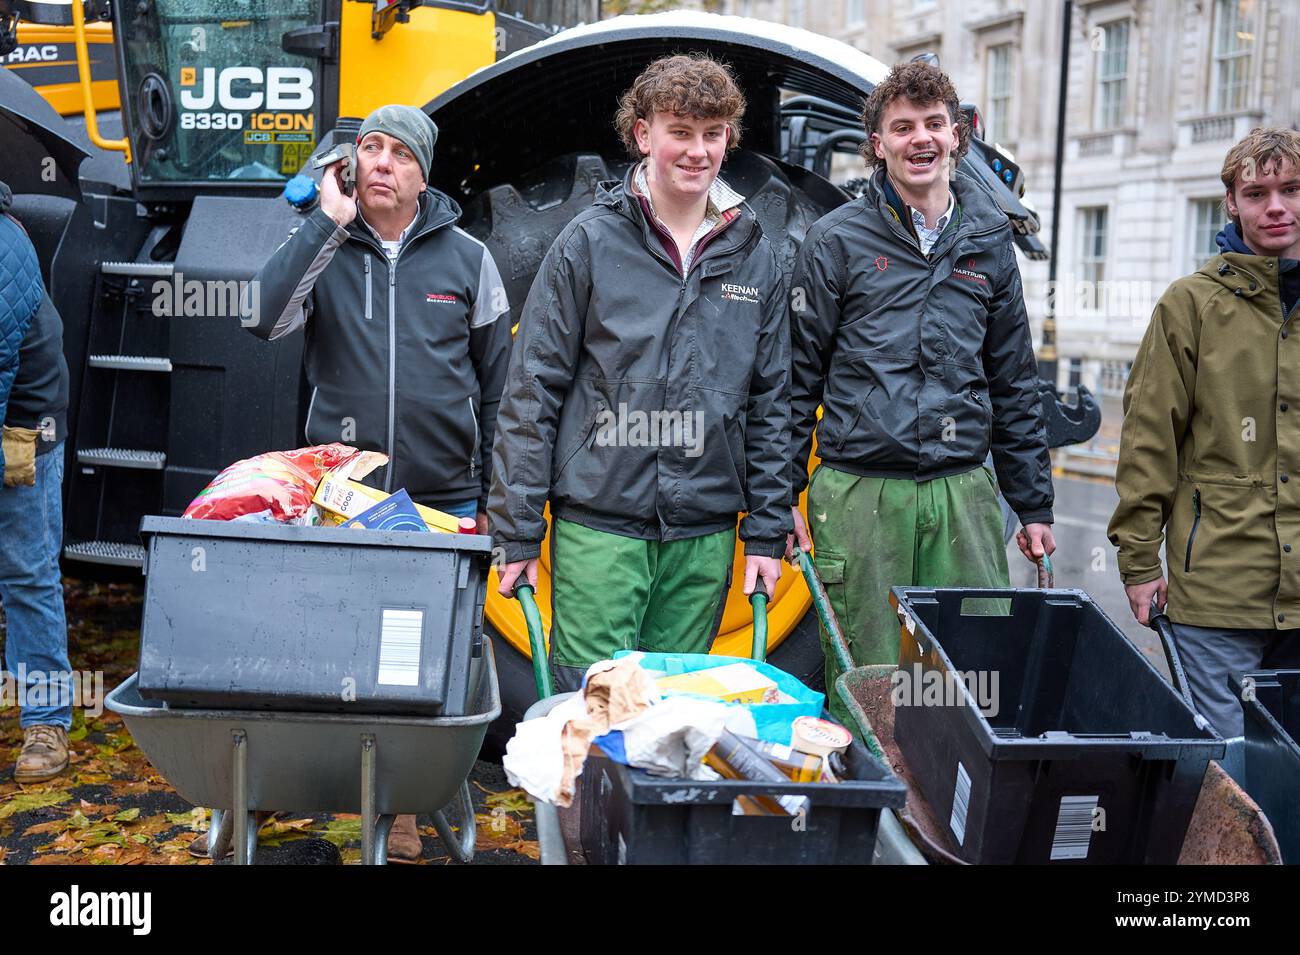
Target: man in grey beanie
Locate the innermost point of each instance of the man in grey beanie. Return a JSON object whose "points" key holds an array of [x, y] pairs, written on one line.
{"points": [[405, 353], [394, 153]]}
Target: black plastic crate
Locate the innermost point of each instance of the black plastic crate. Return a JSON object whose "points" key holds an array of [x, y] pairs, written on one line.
{"points": [[630, 817], [1271, 706], [328, 619], [1085, 754]]}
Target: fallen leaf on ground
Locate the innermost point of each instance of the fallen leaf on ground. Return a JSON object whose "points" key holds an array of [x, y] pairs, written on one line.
{"points": [[503, 832], [27, 801], [512, 800], [196, 819], [341, 831], [129, 788], [54, 858]]}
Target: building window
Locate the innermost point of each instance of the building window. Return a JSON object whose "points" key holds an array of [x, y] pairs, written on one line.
{"points": [[998, 85], [1114, 376], [1092, 258], [1076, 374], [857, 14], [1208, 218], [1234, 44], [1112, 75]]}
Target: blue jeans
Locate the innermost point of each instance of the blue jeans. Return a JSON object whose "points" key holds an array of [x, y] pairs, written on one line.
{"points": [[36, 634], [463, 509]]}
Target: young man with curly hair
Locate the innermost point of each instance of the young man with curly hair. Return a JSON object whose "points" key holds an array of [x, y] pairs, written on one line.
{"points": [[647, 397], [908, 327]]}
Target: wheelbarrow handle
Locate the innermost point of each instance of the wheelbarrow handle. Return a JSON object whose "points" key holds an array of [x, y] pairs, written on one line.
{"points": [[759, 601], [536, 640], [839, 645], [1046, 577], [1164, 628]]}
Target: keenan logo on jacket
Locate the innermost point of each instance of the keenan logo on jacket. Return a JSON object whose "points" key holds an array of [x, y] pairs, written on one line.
{"points": [[740, 293], [442, 298], [969, 274]]}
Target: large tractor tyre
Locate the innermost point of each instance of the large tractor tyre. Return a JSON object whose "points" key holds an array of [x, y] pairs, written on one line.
{"points": [[518, 221]]}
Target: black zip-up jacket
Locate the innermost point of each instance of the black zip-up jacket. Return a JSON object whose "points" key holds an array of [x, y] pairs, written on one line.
{"points": [[920, 362], [613, 334], [39, 399], [408, 358]]}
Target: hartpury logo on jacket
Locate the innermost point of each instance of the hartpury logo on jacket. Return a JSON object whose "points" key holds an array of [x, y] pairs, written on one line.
{"points": [[740, 293], [969, 274]]}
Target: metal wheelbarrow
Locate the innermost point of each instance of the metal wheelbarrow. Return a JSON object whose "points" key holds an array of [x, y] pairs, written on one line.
{"points": [[378, 766]]}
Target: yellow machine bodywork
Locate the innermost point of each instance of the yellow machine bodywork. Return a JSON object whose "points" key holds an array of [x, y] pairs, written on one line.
{"points": [[49, 53], [415, 61]]}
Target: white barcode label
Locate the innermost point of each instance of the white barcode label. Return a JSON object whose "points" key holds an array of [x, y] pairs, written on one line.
{"points": [[1073, 827], [960, 805], [400, 634]]}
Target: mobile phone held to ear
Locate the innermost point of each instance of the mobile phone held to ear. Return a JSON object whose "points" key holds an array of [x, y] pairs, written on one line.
{"points": [[346, 151]]}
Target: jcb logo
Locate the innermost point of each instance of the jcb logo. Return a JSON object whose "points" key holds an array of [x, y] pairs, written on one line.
{"points": [[287, 87]]}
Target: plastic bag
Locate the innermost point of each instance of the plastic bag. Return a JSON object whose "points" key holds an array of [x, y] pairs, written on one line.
{"points": [[281, 482], [771, 720]]}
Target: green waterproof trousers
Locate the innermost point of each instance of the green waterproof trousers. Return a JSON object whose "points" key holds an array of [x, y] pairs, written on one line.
{"points": [[610, 592], [870, 534]]}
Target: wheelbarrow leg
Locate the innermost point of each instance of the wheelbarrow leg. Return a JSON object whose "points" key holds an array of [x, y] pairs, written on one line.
{"points": [[245, 834], [374, 832], [460, 810], [219, 832], [379, 854]]}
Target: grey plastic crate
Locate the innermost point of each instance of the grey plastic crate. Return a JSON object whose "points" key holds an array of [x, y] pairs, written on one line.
{"points": [[267, 616]]}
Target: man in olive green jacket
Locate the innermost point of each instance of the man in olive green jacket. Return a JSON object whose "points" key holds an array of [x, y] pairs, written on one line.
{"points": [[1210, 448]]}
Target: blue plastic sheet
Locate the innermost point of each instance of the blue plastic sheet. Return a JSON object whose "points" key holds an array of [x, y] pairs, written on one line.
{"points": [[771, 720]]}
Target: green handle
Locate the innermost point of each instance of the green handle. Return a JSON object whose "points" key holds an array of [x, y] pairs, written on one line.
{"points": [[759, 601], [823, 605], [1046, 578], [536, 640]]}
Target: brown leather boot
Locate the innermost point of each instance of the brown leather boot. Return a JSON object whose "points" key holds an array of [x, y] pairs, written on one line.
{"points": [[44, 754], [404, 846]]}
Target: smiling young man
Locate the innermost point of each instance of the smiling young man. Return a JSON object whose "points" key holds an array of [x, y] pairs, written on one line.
{"points": [[661, 303], [1209, 458], [908, 326], [405, 352]]}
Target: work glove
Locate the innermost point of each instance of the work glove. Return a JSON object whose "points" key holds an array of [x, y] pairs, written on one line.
{"points": [[20, 456]]}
